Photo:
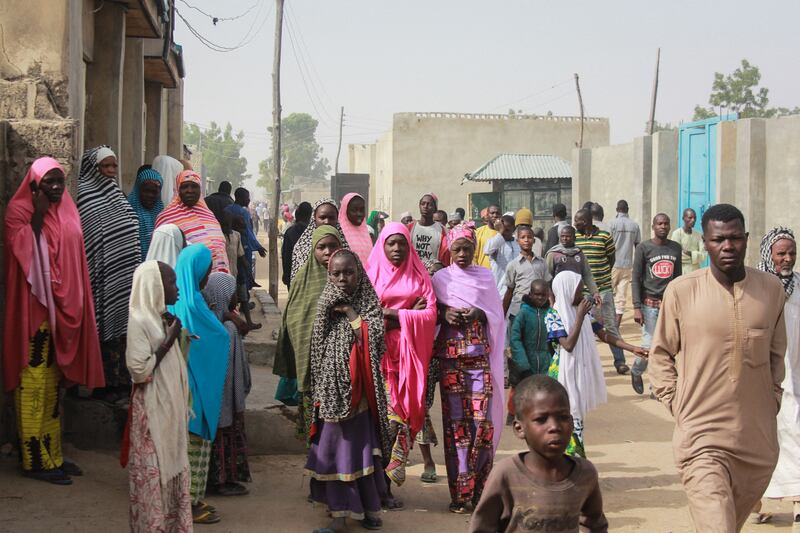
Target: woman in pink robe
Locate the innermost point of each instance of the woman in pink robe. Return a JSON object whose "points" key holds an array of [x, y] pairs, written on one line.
{"points": [[409, 307]]}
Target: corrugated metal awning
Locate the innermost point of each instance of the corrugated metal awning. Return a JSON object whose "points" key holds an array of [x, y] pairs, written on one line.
{"points": [[521, 167]]}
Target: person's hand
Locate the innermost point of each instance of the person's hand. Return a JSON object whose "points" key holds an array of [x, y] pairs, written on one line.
{"points": [[471, 315], [584, 307], [342, 308], [641, 352], [173, 330], [40, 201], [240, 324], [420, 304], [638, 317], [598, 301], [453, 316], [262, 252]]}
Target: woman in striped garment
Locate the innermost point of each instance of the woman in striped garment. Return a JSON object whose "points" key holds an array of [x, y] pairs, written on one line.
{"points": [[189, 212], [111, 236]]}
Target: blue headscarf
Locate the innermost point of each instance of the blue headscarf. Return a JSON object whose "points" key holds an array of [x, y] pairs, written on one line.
{"points": [[147, 217], [207, 362]]}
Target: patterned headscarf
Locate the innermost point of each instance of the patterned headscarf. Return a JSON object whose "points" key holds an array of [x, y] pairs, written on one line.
{"points": [[333, 338], [303, 247], [147, 217], [767, 265], [465, 230]]}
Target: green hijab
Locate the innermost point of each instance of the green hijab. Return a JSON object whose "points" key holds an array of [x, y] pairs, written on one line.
{"points": [[294, 340]]}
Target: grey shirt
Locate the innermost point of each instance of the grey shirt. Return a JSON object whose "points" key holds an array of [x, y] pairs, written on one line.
{"points": [[520, 273], [654, 267], [627, 236]]}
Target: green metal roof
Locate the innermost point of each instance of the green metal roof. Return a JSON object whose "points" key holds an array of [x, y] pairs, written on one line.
{"points": [[521, 167]]}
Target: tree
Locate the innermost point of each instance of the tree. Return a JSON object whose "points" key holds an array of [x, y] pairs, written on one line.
{"points": [[739, 93], [221, 151], [301, 154]]}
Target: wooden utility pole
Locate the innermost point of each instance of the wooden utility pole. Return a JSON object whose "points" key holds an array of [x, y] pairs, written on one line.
{"points": [[339, 149], [580, 103], [276, 152], [651, 124]]}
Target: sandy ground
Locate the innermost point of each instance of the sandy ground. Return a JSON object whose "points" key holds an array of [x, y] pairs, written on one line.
{"points": [[628, 440]]}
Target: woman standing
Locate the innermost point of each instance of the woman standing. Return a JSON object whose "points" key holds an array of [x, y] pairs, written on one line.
{"points": [[158, 463], [356, 232], [207, 369], [113, 251], [294, 339], [229, 463], [189, 212], [409, 309], [470, 351], [325, 214], [350, 420], [169, 168], [49, 335], [576, 363], [145, 200]]}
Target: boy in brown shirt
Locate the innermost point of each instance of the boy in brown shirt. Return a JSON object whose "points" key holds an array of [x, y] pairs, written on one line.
{"points": [[541, 489]]}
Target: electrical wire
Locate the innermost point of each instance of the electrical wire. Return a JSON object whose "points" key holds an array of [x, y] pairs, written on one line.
{"points": [[249, 36], [214, 19], [536, 93]]}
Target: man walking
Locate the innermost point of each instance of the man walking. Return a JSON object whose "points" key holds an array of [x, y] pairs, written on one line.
{"points": [[656, 263], [598, 247], [716, 362], [691, 242], [554, 233], [627, 236]]}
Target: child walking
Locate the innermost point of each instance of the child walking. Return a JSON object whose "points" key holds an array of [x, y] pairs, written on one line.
{"points": [[542, 489]]}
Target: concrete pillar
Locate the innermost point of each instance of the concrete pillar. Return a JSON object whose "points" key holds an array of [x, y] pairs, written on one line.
{"points": [[104, 78], [162, 127], [131, 153], [581, 177], [726, 162], [642, 176], [175, 121], [152, 99], [751, 180], [664, 191]]}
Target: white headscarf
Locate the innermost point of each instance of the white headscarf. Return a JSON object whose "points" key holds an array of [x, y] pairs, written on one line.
{"points": [[165, 388], [104, 152], [580, 370], [169, 168], [166, 244]]}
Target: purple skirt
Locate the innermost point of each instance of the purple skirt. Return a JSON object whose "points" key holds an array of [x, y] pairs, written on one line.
{"points": [[346, 474]]}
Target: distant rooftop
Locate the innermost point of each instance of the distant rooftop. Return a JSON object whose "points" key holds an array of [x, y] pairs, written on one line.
{"points": [[502, 116], [521, 167]]}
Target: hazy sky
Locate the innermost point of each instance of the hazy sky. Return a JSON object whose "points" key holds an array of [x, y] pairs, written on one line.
{"points": [[377, 58]]}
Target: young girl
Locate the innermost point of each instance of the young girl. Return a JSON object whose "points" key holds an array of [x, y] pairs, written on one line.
{"points": [[576, 363], [350, 421], [158, 461], [228, 465]]}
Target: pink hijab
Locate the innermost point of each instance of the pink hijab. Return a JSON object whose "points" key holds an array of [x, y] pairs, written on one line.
{"points": [[474, 287], [408, 349], [357, 236], [48, 279]]}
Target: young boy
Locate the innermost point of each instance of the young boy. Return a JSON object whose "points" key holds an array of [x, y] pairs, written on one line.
{"points": [[541, 489], [566, 256]]}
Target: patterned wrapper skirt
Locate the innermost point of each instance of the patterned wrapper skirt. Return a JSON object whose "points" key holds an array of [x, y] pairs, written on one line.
{"points": [[153, 506], [345, 467], [199, 457], [229, 455]]}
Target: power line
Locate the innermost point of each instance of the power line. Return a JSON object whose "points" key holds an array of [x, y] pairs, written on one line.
{"points": [[304, 51], [215, 19], [300, 69], [536, 93], [249, 36]]}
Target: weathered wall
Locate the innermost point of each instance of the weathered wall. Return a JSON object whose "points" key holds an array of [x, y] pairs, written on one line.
{"points": [[433, 151], [783, 173], [362, 160]]}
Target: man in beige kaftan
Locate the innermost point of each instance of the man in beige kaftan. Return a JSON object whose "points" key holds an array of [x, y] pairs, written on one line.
{"points": [[716, 362]]}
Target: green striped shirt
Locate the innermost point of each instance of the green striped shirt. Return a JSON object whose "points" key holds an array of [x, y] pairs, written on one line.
{"points": [[598, 247]]}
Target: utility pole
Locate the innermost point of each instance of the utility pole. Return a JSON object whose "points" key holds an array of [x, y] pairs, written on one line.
{"points": [[276, 152], [339, 149], [651, 124], [580, 103]]}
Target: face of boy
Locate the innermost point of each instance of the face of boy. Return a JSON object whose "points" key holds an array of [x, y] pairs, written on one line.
{"points": [[525, 239], [545, 424], [539, 295]]}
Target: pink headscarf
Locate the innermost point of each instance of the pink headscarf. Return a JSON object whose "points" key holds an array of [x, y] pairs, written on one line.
{"points": [[48, 279], [474, 286], [357, 236], [465, 230], [408, 349]]}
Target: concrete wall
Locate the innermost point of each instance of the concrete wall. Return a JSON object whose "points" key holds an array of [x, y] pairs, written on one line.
{"points": [[362, 160], [758, 170], [433, 151]]}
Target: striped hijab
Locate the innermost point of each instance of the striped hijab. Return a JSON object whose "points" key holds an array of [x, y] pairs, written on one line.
{"points": [[198, 223], [147, 217], [111, 236]]}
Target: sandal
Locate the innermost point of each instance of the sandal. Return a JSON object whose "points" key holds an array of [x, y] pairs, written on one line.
{"points": [[429, 477], [204, 506], [393, 504], [205, 517], [71, 469], [761, 518], [56, 476], [231, 489], [372, 523], [457, 508]]}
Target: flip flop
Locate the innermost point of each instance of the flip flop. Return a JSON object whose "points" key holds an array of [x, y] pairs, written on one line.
{"points": [[429, 477], [205, 506], [457, 508], [206, 517], [56, 476], [373, 524], [761, 518], [71, 469]]}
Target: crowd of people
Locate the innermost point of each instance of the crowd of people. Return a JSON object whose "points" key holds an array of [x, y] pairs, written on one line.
{"points": [[144, 299]]}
